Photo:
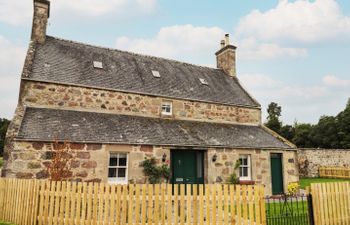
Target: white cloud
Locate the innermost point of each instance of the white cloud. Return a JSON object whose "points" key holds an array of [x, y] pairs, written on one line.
{"points": [[179, 42], [249, 49], [303, 21], [11, 61], [299, 101], [20, 12], [334, 81]]}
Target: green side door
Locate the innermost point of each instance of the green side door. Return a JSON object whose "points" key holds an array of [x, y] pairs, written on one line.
{"points": [[187, 167], [276, 173]]}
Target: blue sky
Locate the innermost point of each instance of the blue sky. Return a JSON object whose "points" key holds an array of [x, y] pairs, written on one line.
{"points": [[292, 52]]}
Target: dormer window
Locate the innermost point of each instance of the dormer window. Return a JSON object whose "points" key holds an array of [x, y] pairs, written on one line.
{"points": [[167, 108], [98, 65]]}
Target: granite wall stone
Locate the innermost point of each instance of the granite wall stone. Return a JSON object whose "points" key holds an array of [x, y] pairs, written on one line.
{"points": [[78, 98], [310, 160], [89, 162]]}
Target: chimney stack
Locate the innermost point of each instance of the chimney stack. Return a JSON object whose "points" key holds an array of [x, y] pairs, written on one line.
{"points": [[226, 57], [40, 19]]}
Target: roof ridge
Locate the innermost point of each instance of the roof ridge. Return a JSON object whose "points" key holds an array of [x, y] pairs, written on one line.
{"points": [[132, 53]]}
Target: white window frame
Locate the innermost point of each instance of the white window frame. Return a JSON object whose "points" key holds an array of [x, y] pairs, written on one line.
{"points": [[249, 177], [167, 104], [118, 180]]}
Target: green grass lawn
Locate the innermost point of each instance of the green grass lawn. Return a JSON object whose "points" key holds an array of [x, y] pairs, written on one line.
{"points": [[293, 213], [6, 223], [305, 182]]}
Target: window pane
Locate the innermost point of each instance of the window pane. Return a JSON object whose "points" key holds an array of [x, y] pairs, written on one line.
{"points": [[121, 172], [113, 161], [245, 171], [245, 161], [122, 161], [241, 172], [112, 172]]}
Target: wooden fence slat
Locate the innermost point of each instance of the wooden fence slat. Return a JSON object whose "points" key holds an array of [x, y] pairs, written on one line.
{"points": [[176, 204], [201, 205], [207, 203], [188, 204], [137, 204], [53, 203], [195, 204], [156, 204], [170, 204], [143, 205]]}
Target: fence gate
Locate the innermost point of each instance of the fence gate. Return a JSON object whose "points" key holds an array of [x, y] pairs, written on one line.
{"points": [[331, 203], [289, 210]]}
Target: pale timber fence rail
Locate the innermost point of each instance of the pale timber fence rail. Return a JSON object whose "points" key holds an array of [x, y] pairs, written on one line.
{"points": [[334, 172], [45, 203], [331, 203]]}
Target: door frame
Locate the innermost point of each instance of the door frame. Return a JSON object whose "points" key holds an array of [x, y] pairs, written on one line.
{"points": [[282, 170], [172, 152]]}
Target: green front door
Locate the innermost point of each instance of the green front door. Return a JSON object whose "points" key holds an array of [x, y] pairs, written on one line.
{"points": [[187, 167], [276, 173]]}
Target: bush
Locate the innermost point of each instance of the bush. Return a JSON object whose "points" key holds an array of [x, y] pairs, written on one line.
{"points": [[155, 173], [1, 162]]}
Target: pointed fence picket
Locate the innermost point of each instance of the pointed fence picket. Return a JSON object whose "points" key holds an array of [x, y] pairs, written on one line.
{"points": [[31, 202]]}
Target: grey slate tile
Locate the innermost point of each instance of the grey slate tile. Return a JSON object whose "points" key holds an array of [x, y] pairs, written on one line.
{"points": [[72, 63], [75, 126]]}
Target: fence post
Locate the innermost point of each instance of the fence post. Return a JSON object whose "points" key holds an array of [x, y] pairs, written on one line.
{"points": [[310, 206]]}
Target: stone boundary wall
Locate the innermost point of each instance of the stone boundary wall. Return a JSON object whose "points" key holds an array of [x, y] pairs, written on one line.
{"points": [[310, 160], [81, 98]]}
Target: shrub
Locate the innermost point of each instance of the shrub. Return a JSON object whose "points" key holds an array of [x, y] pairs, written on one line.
{"points": [[155, 173]]}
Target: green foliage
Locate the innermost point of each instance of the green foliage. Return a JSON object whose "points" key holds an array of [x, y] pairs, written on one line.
{"points": [[4, 123], [302, 137], [233, 178], [155, 173], [329, 132], [1, 162], [288, 132], [274, 113]]}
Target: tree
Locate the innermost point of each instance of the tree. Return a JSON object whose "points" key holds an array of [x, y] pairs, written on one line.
{"points": [[274, 112], [302, 135], [288, 132], [343, 125], [4, 123]]}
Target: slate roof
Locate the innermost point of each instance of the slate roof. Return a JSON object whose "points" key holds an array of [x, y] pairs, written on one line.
{"points": [[76, 126], [69, 62]]}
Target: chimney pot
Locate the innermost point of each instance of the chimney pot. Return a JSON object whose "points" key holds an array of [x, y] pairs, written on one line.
{"points": [[222, 43], [227, 39], [40, 18]]}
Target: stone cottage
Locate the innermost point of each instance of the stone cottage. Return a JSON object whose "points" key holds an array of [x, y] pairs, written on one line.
{"points": [[116, 108]]}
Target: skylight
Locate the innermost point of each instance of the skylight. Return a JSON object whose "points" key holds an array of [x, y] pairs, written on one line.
{"points": [[203, 81], [156, 73], [98, 64]]}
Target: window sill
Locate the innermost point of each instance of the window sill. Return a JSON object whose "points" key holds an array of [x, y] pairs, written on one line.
{"points": [[246, 182]]}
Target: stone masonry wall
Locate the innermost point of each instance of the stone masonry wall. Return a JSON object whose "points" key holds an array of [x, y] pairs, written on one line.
{"points": [[69, 97], [311, 159], [219, 171], [90, 162]]}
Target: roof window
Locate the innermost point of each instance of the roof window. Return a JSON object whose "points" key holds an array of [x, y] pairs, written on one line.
{"points": [[203, 81], [156, 73], [98, 65]]}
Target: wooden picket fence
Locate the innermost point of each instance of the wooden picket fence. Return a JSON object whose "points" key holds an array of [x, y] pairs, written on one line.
{"points": [[331, 203], [334, 172], [30, 202]]}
